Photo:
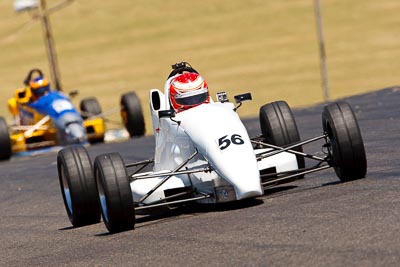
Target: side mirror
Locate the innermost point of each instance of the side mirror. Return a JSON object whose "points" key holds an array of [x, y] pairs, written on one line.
{"points": [[243, 97], [166, 113]]}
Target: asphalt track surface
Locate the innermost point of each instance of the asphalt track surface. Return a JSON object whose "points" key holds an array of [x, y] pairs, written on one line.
{"points": [[316, 221]]}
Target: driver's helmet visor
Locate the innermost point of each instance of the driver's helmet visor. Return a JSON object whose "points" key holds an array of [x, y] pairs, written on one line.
{"points": [[41, 91], [192, 98]]}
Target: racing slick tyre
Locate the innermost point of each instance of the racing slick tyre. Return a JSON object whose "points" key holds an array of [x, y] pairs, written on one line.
{"points": [[5, 142], [279, 128], [90, 107], [345, 144], [132, 114], [114, 192], [78, 186]]}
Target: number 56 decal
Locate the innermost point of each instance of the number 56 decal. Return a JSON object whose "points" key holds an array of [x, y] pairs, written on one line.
{"points": [[225, 141]]}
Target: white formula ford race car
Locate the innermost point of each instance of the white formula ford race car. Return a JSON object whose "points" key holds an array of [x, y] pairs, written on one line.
{"points": [[205, 155]]}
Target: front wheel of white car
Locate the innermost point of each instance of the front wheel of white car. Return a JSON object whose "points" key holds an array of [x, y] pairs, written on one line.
{"points": [[345, 143], [279, 128], [78, 186], [114, 192]]}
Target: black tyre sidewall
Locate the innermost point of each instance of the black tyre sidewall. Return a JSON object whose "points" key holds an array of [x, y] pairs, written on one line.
{"points": [[112, 180], [90, 107], [279, 127], [5, 141], [75, 162], [134, 122], [347, 146]]}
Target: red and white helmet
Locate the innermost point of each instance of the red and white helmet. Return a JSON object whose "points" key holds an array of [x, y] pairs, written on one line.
{"points": [[188, 90]]}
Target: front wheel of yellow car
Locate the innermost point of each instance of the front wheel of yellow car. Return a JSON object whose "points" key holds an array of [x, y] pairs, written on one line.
{"points": [[5, 142], [90, 107], [132, 114]]}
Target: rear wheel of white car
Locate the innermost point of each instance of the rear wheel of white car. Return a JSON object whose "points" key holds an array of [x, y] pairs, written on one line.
{"points": [[114, 192], [132, 114], [78, 186], [90, 107], [5, 142], [279, 128], [345, 143]]}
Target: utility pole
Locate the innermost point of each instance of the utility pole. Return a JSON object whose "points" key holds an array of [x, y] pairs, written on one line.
{"points": [[26, 5], [50, 47], [322, 52]]}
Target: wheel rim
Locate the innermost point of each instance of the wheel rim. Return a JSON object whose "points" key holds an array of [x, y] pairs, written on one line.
{"points": [[332, 148], [330, 139], [102, 197], [66, 191]]}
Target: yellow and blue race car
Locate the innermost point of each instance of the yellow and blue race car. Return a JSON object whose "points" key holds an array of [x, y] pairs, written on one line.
{"points": [[45, 117]]}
